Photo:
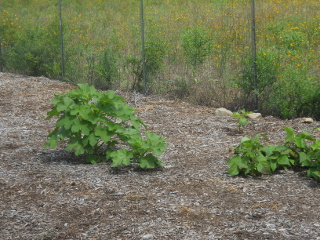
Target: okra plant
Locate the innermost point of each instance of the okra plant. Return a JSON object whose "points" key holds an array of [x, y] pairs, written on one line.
{"points": [[103, 127]]}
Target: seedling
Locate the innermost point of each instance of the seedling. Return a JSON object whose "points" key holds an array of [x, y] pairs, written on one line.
{"points": [[241, 117]]}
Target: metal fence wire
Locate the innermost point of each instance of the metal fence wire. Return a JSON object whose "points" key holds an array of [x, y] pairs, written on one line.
{"points": [[203, 50]]}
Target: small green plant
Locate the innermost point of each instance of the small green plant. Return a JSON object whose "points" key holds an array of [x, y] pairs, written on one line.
{"points": [[99, 123], [196, 44], [253, 158], [106, 70], [241, 117]]}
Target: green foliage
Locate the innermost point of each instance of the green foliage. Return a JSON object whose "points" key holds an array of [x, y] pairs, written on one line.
{"points": [[106, 69], [209, 39], [241, 117], [286, 92], [253, 158], [267, 73], [196, 44], [293, 94], [96, 123], [155, 51], [35, 52]]}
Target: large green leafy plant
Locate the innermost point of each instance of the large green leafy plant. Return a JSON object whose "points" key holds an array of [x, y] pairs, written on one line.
{"points": [[299, 151], [103, 127]]}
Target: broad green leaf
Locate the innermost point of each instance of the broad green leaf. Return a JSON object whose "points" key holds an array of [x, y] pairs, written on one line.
{"points": [[155, 143], [93, 140], [149, 161], [245, 139], [316, 145], [314, 173], [260, 157], [283, 160], [103, 133], [56, 99], [113, 126], [290, 133], [65, 121], [242, 163], [304, 159], [260, 167], [306, 135], [64, 104], [92, 159], [63, 133], [300, 143], [53, 112], [273, 165], [233, 170], [121, 156], [76, 125], [73, 143], [79, 150], [268, 150], [85, 128], [110, 94], [52, 142]]}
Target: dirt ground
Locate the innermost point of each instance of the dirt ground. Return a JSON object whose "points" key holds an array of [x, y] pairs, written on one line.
{"points": [[50, 194]]}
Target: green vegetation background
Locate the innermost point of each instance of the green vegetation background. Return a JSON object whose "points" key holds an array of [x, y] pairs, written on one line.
{"points": [[196, 50]]}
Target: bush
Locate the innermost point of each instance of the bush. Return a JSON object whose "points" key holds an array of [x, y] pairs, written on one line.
{"points": [[267, 73], [155, 51], [196, 44], [35, 52], [98, 124], [106, 70]]}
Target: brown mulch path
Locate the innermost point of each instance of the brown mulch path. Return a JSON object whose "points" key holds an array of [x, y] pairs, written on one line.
{"points": [[50, 194]]}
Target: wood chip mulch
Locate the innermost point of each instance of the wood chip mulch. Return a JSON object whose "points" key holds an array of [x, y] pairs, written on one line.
{"points": [[50, 194]]}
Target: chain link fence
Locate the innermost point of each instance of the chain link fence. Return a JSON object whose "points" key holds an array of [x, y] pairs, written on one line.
{"points": [[199, 50]]}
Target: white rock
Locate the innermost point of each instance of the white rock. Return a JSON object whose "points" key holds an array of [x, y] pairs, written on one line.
{"points": [[223, 112], [254, 115], [148, 236], [307, 120]]}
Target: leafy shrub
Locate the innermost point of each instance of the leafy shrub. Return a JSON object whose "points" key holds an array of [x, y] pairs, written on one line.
{"points": [[155, 51], [267, 73], [253, 158], [35, 52], [106, 70], [97, 123], [196, 44], [291, 95]]}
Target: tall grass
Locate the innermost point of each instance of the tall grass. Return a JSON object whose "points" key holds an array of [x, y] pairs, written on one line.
{"points": [[198, 50]]}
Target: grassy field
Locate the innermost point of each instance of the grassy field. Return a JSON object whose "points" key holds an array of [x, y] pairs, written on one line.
{"points": [[196, 50]]}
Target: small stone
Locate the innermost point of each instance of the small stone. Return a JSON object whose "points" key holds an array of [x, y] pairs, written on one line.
{"points": [[147, 236], [223, 112], [306, 120], [254, 115]]}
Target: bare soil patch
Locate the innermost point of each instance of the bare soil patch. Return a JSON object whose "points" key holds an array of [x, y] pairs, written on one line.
{"points": [[53, 195]]}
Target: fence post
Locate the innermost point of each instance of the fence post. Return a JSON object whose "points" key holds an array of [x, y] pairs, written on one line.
{"points": [[61, 40], [1, 59], [143, 49], [254, 53]]}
